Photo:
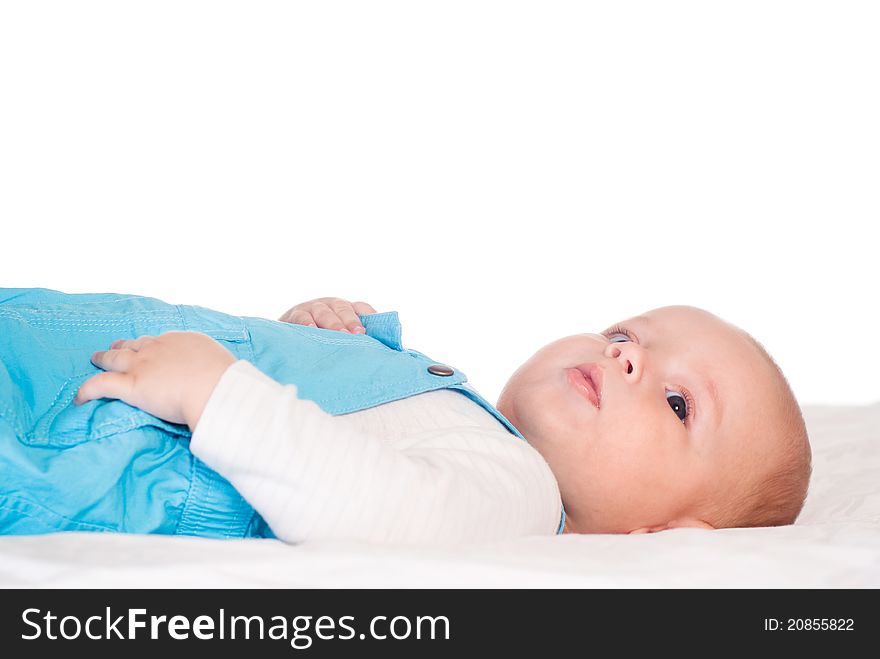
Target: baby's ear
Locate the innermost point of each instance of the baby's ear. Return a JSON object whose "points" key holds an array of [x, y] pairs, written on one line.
{"points": [[649, 529], [684, 522], [689, 522], [644, 529]]}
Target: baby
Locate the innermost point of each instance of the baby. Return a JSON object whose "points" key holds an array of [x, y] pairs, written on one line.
{"points": [[673, 418]]}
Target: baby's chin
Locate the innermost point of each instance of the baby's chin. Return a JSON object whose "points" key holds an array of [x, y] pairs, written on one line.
{"points": [[546, 409], [545, 430]]}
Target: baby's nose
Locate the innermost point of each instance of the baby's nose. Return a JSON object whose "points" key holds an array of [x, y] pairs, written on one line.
{"points": [[613, 352]]}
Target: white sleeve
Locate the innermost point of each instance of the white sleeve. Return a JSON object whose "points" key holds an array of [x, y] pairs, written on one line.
{"points": [[313, 476]]}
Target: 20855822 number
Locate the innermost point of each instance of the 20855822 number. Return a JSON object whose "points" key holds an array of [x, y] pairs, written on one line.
{"points": [[809, 624]]}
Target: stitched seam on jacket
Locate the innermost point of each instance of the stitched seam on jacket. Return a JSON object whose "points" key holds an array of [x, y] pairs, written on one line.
{"points": [[85, 323], [186, 500]]}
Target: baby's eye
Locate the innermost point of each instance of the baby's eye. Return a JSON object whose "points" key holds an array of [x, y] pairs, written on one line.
{"points": [[678, 404], [618, 332]]}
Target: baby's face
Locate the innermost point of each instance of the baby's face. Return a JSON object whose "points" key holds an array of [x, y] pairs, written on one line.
{"points": [[681, 402]]}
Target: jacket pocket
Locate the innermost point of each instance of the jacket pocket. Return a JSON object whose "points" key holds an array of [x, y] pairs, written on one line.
{"points": [[67, 424], [63, 423]]}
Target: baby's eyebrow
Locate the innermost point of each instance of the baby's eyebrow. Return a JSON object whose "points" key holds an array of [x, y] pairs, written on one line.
{"points": [[710, 386]]}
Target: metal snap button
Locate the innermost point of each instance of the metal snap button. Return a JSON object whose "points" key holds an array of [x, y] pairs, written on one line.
{"points": [[440, 369]]}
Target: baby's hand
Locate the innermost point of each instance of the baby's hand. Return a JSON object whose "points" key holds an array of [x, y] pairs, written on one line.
{"points": [[170, 376], [330, 313]]}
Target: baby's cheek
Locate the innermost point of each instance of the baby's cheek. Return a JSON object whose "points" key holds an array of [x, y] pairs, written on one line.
{"points": [[546, 411]]}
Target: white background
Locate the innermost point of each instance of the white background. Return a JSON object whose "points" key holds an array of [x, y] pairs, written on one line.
{"points": [[501, 173]]}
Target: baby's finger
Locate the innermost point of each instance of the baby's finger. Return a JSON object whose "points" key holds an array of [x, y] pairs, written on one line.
{"points": [[327, 318], [105, 385], [114, 360], [363, 308], [129, 344], [346, 313], [298, 317]]}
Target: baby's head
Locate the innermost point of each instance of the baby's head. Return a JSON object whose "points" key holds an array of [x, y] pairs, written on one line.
{"points": [[695, 426]]}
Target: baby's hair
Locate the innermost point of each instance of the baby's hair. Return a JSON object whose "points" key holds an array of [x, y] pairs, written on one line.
{"points": [[775, 498]]}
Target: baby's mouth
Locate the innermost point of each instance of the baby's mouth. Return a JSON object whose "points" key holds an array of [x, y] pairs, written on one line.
{"points": [[587, 382]]}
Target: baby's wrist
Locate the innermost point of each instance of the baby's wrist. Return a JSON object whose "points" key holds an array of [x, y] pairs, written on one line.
{"points": [[195, 404]]}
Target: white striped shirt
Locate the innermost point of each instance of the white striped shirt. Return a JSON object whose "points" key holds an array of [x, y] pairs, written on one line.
{"points": [[434, 468]]}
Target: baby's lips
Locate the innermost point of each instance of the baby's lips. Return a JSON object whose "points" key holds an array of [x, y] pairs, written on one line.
{"points": [[597, 378], [594, 375]]}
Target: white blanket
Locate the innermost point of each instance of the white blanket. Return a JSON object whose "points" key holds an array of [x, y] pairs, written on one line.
{"points": [[835, 543]]}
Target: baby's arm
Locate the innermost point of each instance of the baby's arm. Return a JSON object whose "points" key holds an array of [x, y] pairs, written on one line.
{"points": [[171, 375], [313, 476]]}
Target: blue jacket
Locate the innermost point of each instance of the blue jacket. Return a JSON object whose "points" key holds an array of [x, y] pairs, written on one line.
{"points": [[108, 466]]}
